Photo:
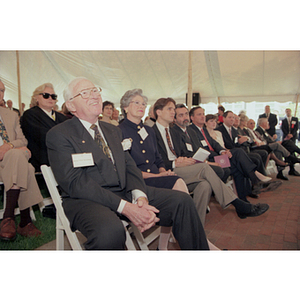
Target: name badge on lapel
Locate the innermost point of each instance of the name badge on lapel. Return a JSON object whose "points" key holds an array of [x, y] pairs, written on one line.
{"points": [[204, 144], [236, 140], [143, 133], [189, 147], [82, 160]]}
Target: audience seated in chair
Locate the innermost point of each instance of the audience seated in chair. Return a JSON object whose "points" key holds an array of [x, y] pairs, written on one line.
{"points": [[205, 181], [100, 181], [142, 147], [17, 175], [37, 121]]}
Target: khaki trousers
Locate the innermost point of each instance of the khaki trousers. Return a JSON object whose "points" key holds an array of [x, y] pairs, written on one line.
{"points": [[15, 169], [204, 181]]}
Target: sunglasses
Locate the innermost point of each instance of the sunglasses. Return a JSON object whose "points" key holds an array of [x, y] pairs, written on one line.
{"points": [[47, 95]]}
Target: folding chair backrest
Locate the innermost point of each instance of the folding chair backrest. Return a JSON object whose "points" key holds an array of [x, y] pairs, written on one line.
{"points": [[62, 223]]}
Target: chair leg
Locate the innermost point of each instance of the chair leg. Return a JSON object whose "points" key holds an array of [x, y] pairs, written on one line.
{"points": [[139, 237], [59, 235], [129, 243]]}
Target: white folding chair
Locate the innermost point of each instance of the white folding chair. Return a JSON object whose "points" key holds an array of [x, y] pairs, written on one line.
{"points": [[46, 201], [17, 210], [63, 224]]}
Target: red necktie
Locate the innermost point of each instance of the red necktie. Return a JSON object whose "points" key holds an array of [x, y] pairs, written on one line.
{"points": [[169, 142], [208, 144]]}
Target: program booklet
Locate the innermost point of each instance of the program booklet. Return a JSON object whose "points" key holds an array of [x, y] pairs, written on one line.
{"points": [[223, 161], [201, 155]]}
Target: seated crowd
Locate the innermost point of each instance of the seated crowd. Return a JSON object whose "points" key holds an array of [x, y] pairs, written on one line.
{"points": [[142, 171]]}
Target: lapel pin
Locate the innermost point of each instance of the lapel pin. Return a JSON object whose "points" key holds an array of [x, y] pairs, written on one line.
{"points": [[83, 142]]}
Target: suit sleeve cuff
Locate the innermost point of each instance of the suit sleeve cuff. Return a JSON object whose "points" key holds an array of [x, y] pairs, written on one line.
{"points": [[137, 194], [121, 206]]}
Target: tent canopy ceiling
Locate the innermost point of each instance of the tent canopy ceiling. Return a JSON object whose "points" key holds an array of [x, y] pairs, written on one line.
{"points": [[230, 75]]}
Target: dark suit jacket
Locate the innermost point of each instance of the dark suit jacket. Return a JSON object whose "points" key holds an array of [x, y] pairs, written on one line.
{"points": [[216, 146], [286, 129], [229, 142], [272, 122], [103, 182], [265, 137], [178, 143], [35, 124]]}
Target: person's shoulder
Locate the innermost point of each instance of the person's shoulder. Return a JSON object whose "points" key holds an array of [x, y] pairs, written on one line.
{"points": [[109, 127], [60, 115], [220, 128], [32, 111], [10, 113], [149, 129], [65, 126]]}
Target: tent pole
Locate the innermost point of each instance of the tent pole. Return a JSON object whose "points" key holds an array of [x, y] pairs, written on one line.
{"points": [[296, 108], [219, 102], [19, 84], [190, 83]]}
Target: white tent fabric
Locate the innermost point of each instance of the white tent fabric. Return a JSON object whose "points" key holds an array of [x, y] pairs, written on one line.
{"points": [[224, 76]]}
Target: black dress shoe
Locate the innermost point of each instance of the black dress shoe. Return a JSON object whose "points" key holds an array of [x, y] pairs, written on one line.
{"points": [[256, 210], [253, 196], [281, 176], [294, 173]]}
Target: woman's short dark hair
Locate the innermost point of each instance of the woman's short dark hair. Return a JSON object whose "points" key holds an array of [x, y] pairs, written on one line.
{"points": [[107, 103], [210, 117]]}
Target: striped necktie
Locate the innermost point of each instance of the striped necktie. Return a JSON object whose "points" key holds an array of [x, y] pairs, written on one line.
{"points": [[3, 132], [100, 141], [169, 142]]}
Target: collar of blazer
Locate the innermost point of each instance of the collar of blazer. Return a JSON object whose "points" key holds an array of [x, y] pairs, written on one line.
{"points": [[159, 138]]}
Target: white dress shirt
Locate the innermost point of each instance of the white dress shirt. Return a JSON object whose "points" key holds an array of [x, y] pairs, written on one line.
{"points": [[162, 130]]}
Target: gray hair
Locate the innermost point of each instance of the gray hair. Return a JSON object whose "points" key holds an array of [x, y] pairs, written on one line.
{"points": [[243, 118], [37, 91], [262, 120], [128, 96], [69, 89]]}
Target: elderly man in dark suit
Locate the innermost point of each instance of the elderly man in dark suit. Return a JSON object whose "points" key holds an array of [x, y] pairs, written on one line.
{"points": [[289, 126], [100, 181], [272, 118]]}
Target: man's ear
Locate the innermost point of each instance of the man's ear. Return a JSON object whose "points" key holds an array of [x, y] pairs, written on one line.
{"points": [[70, 106], [158, 112]]}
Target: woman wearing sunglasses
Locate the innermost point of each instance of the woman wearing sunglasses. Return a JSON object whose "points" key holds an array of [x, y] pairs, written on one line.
{"points": [[38, 120]]}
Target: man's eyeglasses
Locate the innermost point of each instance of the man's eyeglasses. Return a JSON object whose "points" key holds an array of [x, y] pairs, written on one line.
{"points": [[137, 103], [85, 94], [47, 95]]}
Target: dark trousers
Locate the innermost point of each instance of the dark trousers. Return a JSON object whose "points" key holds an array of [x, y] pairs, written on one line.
{"points": [[241, 166], [104, 230]]}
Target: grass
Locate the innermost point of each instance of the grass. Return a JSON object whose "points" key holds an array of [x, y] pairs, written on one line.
{"points": [[45, 225]]}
